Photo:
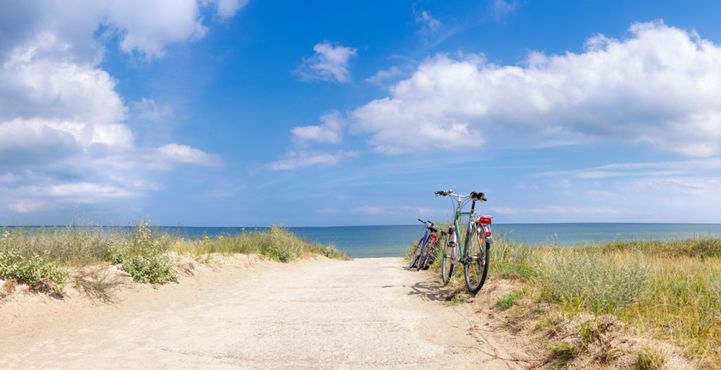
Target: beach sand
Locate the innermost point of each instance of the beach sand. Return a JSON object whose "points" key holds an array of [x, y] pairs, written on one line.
{"points": [[365, 313]]}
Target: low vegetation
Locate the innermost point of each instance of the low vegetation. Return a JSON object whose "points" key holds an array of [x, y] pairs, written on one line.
{"points": [[46, 259], [670, 290]]}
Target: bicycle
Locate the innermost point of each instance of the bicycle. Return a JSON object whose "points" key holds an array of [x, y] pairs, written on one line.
{"points": [[475, 251], [425, 246]]}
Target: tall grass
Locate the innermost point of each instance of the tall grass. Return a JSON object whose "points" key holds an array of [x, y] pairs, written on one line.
{"points": [[42, 258], [670, 289], [276, 244]]}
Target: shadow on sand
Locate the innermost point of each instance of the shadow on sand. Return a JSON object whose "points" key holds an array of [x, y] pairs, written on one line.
{"points": [[433, 290]]}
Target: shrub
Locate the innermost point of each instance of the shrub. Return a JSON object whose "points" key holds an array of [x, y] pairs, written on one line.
{"points": [[143, 257], [35, 271]]}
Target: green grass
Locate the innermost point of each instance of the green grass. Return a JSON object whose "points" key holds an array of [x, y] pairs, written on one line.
{"points": [[44, 258], [666, 289], [276, 244], [508, 300]]}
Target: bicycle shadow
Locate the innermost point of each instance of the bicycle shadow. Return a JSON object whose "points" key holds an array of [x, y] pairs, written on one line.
{"points": [[433, 290]]}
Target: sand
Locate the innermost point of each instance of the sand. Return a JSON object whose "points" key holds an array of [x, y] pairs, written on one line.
{"points": [[365, 313]]}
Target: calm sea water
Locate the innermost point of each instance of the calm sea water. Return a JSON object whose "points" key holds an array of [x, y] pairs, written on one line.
{"points": [[388, 241]]}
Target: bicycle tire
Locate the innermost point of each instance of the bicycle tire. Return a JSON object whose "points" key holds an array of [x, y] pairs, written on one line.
{"points": [[476, 254], [447, 264], [423, 259], [416, 255]]}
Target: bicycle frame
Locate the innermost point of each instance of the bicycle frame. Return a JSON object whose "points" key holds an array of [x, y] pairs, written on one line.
{"points": [[460, 244]]}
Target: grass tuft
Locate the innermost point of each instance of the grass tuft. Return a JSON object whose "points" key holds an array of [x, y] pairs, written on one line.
{"points": [[648, 359], [508, 300], [560, 353]]}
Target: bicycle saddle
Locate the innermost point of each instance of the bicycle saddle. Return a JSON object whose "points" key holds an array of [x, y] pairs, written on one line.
{"points": [[478, 196]]}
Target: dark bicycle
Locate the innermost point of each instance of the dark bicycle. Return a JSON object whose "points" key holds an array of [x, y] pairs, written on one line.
{"points": [[426, 248]]}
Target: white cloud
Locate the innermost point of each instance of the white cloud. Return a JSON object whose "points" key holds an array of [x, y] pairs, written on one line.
{"points": [[64, 136], [301, 159], [26, 206], [228, 8], [149, 110], [384, 75], [328, 132], [555, 211], [429, 25], [636, 169], [657, 86], [330, 63], [185, 154], [500, 8]]}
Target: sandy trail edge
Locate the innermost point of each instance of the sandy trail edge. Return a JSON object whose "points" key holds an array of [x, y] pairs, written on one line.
{"points": [[361, 313]]}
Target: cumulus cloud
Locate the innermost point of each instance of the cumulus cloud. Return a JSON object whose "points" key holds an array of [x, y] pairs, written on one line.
{"points": [[301, 159], [657, 86], [64, 135], [329, 63], [327, 132]]}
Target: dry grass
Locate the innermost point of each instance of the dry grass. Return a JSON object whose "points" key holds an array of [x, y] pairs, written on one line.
{"points": [[670, 290], [46, 258]]}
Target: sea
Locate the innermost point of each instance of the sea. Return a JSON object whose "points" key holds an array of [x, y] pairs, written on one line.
{"points": [[393, 240], [390, 241]]}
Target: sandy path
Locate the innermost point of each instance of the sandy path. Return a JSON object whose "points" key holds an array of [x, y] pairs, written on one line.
{"points": [[361, 313]]}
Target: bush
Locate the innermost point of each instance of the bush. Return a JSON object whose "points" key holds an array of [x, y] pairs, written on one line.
{"points": [[143, 257], [35, 271]]}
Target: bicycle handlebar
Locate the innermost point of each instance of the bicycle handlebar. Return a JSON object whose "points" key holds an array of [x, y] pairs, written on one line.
{"points": [[429, 225], [480, 196]]}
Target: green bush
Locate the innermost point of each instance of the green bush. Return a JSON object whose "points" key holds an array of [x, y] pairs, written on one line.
{"points": [[144, 257], [35, 271]]}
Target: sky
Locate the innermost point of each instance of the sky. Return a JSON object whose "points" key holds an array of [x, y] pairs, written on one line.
{"points": [[323, 113]]}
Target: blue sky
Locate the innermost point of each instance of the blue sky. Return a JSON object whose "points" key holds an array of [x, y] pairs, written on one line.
{"points": [[234, 112]]}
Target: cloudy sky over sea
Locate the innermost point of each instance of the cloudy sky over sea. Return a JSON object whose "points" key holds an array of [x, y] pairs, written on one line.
{"points": [[236, 112]]}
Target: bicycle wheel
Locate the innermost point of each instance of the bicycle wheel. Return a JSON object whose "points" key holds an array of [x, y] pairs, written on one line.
{"points": [[475, 261], [416, 255], [432, 254], [426, 252], [447, 263]]}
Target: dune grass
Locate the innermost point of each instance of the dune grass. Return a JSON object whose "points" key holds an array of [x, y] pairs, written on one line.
{"points": [[667, 289], [43, 258]]}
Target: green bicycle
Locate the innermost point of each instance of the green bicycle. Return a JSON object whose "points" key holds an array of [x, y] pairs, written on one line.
{"points": [[475, 249]]}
